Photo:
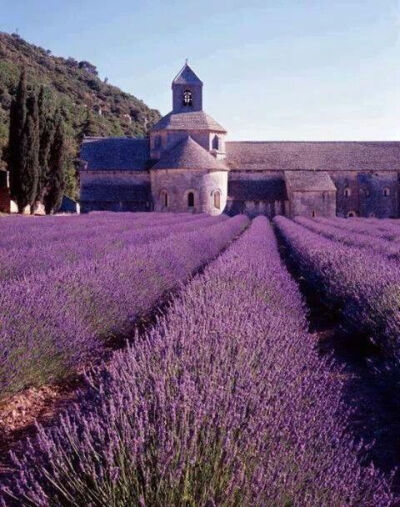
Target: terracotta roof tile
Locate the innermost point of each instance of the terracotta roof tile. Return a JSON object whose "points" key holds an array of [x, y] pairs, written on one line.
{"points": [[115, 153], [186, 76], [193, 120], [309, 181], [188, 154], [326, 156]]}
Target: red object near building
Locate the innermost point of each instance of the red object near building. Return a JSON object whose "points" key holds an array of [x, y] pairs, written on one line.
{"points": [[5, 200]]}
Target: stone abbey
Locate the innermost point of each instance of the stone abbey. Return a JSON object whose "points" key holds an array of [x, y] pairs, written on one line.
{"points": [[187, 164]]}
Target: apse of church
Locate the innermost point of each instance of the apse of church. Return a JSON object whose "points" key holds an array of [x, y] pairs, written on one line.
{"points": [[187, 165]]}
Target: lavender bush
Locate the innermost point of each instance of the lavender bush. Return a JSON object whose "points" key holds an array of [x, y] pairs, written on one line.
{"points": [[45, 252], [50, 323], [31, 231], [380, 228], [363, 286], [225, 402], [375, 243]]}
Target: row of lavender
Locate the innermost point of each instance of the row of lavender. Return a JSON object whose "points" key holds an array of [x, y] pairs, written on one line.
{"points": [[384, 240], [52, 245], [224, 402], [51, 322], [335, 230], [388, 229], [361, 284], [28, 231]]}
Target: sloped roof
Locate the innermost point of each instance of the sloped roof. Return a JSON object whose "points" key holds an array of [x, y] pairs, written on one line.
{"points": [[111, 192], [188, 154], [115, 153], [186, 76], [193, 120], [308, 181], [323, 155], [272, 189]]}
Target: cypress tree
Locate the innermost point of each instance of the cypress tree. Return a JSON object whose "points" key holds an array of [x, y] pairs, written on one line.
{"points": [[17, 124], [46, 135], [30, 152], [55, 183]]}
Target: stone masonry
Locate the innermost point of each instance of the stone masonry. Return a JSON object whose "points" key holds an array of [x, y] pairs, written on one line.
{"points": [[186, 164]]}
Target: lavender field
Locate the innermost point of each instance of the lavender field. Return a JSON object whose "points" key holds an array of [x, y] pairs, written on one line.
{"points": [[224, 361]]}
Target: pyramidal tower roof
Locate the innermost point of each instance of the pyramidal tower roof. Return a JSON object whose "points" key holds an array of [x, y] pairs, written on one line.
{"points": [[187, 154], [186, 76]]}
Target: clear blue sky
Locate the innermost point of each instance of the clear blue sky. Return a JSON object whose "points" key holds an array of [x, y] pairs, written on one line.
{"points": [[272, 69]]}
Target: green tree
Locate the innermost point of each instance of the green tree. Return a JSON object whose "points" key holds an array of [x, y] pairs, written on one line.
{"points": [[55, 183], [46, 135], [15, 160], [90, 127], [29, 149]]}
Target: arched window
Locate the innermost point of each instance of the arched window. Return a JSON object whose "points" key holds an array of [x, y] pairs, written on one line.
{"points": [[190, 199], [215, 143], [313, 214], [386, 192], [164, 198], [187, 98], [157, 141], [351, 214], [217, 199], [347, 192]]}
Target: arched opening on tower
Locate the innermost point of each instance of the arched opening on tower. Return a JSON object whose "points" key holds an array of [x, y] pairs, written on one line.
{"points": [[187, 98], [216, 143], [190, 199]]}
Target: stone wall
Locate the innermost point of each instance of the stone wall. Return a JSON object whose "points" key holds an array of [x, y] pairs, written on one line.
{"points": [[253, 208], [177, 97], [178, 183], [165, 140], [358, 193], [313, 204], [251, 192], [367, 193], [115, 191], [257, 193]]}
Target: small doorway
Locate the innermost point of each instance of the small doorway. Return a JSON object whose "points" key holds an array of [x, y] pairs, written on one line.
{"points": [[164, 199], [190, 200]]}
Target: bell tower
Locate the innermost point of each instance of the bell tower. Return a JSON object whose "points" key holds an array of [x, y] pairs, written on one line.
{"points": [[187, 91]]}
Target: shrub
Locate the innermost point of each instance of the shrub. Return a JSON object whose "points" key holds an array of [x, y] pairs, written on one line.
{"points": [[225, 402]]}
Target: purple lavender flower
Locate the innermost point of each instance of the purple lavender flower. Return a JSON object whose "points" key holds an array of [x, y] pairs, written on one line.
{"points": [[224, 402]]}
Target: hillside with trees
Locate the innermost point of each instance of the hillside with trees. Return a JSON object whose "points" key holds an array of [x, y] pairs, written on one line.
{"points": [[88, 105]]}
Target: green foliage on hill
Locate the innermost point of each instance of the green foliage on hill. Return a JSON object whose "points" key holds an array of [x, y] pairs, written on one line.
{"points": [[89, 105]]}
